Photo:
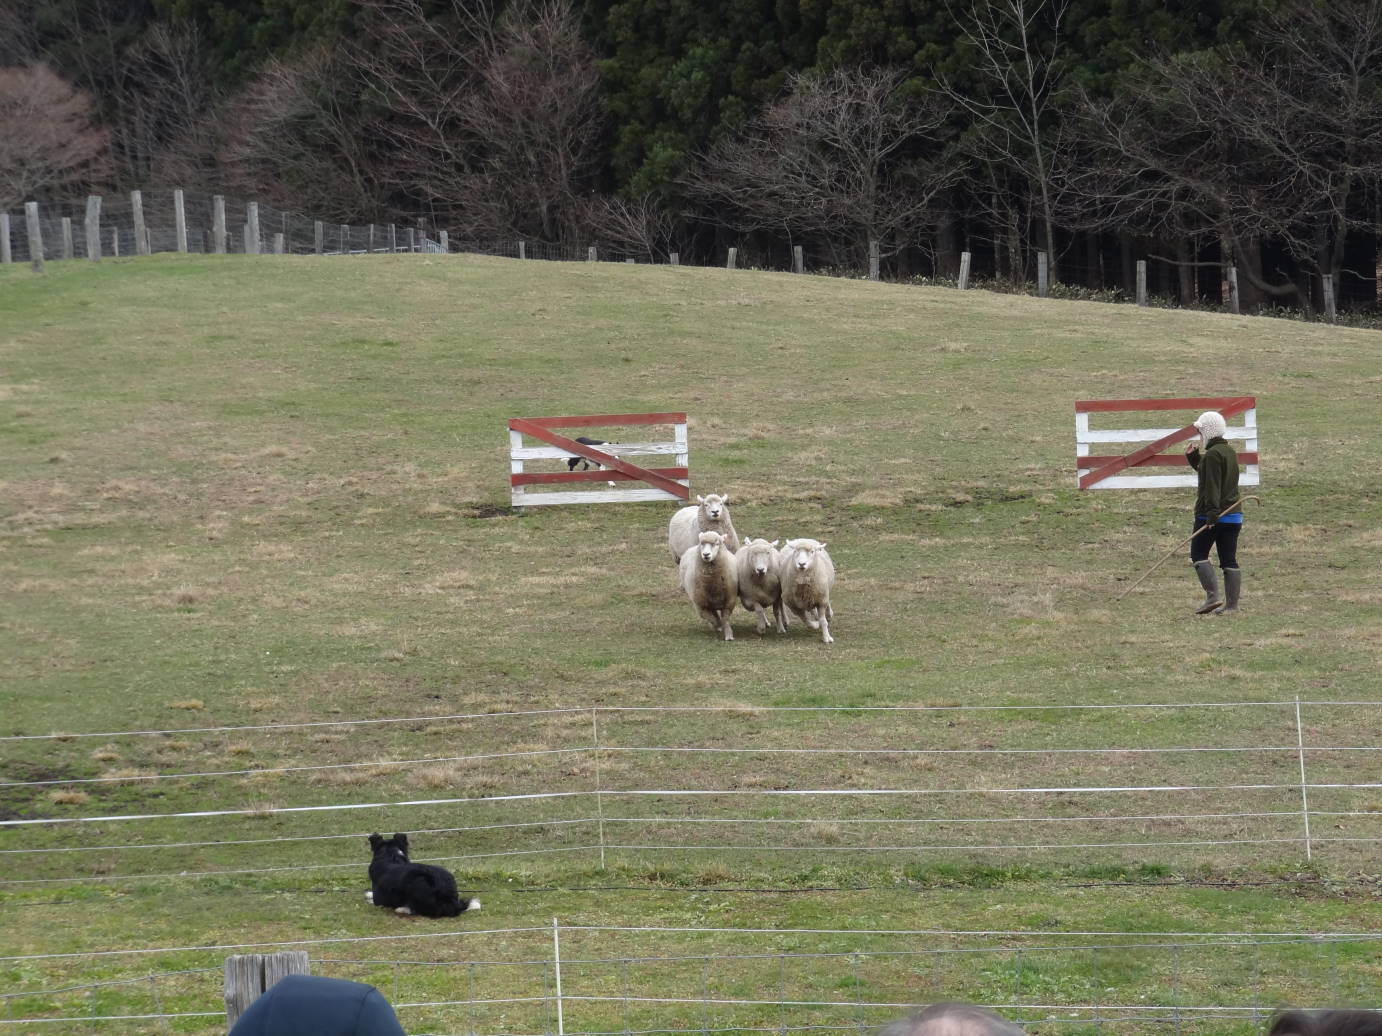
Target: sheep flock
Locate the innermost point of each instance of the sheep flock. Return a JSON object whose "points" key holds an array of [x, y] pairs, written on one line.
{"points": [[718, 572]]}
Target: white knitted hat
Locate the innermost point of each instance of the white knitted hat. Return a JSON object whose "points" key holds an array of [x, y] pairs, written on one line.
{"points": [[1211, 424]]}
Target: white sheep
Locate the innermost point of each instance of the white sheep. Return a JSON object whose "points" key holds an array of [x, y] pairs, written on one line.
{"points": [[760, 582], [708, 577], [808, 575], [710, 514]]}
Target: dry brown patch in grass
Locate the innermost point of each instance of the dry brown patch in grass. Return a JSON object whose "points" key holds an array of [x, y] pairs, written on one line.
{"points": [[108, 754], [240, 748], [128, 773], [455, 579], [69, 798], [260, 704], [273, 552], [184, 597], [878, 498], [355, 775], [42, 586], [189, 704], [435, 509], [1361, 596], [176, 746]]}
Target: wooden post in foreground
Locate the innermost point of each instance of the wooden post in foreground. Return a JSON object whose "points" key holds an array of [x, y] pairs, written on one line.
{"points": [[1043, 275], [93, 227], [67, 237], [369, 239], [798, 260], [252, 228], [318, 237], [965, 259], [444, 239], [522, 249], [345, 239], [1233, 303], [873, 260], [141, 238], [218, 223], [675, 258], [732, 263], [278, 243], [393, 238], [115, 242], [249, 975], [180, 220], [1142, 282], [5, 254], [35, 236], [1327, 293], [590, 254]]}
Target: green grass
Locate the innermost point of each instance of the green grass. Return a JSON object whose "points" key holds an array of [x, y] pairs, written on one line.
{"points": [[263, 491]]}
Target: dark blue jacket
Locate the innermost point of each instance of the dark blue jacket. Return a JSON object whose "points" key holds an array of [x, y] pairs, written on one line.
{"points": [[310, 1005]]}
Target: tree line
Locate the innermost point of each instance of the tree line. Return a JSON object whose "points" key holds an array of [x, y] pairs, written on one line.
{"points": [[1197, 134]]}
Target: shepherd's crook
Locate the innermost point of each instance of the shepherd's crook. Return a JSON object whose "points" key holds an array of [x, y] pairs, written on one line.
{"points": [[1181, 545]]}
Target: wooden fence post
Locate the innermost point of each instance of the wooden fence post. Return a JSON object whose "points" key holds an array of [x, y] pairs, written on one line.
{"points": [[965, 259], [1142, 282], [393, 238], [798, 260], [93, 227], [1233, 304], [522, 249], [318, 237], [278, 243], [115, 242], [345, 239], [1043, 275], [249, 975], [675, 258], [6, 256], [67, 237], [369, 239], [1327, 294], [732, 263], [35, 236], [444, 239], [873, 260], [252, 231], [218, 223], [141, 240], [590, 254], [180, 219], [412, 240]]}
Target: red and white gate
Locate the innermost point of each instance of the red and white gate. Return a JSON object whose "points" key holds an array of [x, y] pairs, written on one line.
{"points": [[659, 483], [1132, 470]]}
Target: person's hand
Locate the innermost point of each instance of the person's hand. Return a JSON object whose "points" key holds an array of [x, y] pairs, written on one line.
{"points": [[1192, 447]]}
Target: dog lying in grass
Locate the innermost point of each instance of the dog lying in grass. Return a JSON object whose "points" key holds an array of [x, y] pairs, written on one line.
{"points": [[411, 888]]}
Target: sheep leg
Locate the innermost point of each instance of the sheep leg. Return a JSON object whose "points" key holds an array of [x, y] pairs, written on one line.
{"points": [[724, 625], [762, 626], [812, 617], [710, 615], [826, 638], [780, 614]]}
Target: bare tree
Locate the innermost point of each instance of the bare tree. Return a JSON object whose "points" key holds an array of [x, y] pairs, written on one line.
{"points": [[49, 141], [850, 153], [637, 224], [296, 136], [1281, 141], [1017, 47], [494, 117]]}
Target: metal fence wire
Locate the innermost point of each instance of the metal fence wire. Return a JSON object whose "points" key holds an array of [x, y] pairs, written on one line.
{"points": [[591, 980]]}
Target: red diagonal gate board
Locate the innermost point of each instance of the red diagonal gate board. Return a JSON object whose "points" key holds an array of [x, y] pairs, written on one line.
{"points": [[1229, 407], [534, 427]]}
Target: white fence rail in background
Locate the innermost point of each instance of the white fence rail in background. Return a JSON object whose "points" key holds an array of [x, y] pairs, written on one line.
{"points": [[602, 980], [1243, 784]]}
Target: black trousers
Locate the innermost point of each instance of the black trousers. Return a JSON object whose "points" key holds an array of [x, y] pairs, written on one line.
{"points": [[1224, 536]]}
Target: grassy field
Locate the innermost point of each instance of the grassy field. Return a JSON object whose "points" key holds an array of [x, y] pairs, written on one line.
{"points": [[250, 493]]}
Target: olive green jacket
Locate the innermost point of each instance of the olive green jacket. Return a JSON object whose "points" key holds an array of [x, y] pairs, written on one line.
{"points": [[1217, 467]]}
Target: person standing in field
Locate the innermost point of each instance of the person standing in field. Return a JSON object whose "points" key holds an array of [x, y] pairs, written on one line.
{"points": [[1217, 506]]}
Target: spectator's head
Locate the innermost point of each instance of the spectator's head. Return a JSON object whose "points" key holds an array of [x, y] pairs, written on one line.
{"points": [[298, 1004], [1327, 1023], [952, 1020]]}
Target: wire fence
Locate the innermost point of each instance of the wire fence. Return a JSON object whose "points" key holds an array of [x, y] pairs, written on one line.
{"points": [[1247, 784], [600, 980]]}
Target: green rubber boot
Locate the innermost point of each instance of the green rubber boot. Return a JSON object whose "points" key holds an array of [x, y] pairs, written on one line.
{"points": [[1213, 600], [1233, 586]]}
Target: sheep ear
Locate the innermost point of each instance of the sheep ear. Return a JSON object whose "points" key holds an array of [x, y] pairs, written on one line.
{"points": [[773, 543], [700, 499], [821, 547], [724, 499]]}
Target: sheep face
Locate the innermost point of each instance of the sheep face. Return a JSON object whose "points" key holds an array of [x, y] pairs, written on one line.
{"points": [[762, 555], [713, 506], [802, 554], [710, 545]]}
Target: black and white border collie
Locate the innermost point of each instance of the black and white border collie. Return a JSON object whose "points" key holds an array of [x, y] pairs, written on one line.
{"points": [[411, 888], [585, 440]]}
